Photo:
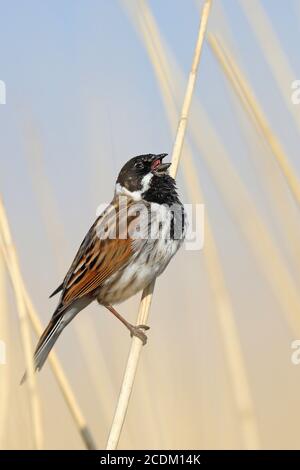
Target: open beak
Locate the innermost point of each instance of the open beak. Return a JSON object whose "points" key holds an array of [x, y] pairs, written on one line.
{"points": [[157, 166]]}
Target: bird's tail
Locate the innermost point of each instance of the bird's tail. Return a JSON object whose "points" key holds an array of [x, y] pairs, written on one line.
{"points": [[56, 325], [46, 343], [47, 340]]}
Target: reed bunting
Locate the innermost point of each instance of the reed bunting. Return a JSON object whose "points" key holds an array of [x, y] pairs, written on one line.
{"points": [[128, 246]]}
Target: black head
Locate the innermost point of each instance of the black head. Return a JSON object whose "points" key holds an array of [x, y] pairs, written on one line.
{"points": [[136, 174], [146, 177]]}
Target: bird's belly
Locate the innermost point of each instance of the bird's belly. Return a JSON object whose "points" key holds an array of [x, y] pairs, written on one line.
{"points": [[142, 270], [151, 257]]}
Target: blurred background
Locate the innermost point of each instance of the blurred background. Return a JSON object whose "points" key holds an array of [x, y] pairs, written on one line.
{"points": [[90, 84]]}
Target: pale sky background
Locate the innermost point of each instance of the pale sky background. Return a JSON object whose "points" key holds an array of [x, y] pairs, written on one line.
{"points": [[82, 98]]}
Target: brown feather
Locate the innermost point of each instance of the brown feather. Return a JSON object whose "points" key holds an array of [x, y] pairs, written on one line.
{"points": [[98, 258]]}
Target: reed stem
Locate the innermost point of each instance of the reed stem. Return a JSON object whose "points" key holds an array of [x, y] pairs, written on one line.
{"points": [[28, 308], [10, 256], [136, 344]]}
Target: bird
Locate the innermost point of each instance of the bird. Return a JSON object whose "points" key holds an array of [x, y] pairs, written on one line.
{"points": [[131, 243]]}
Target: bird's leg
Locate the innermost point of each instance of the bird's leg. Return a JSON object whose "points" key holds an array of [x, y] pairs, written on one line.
{"points": [[135, 330]]}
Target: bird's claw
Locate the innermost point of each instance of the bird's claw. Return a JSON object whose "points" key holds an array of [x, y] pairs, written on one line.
{"points": [[139, 333]]}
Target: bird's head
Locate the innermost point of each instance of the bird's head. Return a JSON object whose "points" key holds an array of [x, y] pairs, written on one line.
{"points": [[137, 174]]}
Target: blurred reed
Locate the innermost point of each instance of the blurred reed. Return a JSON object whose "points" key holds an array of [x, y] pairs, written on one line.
{"points": [[4, 336], [62, 381], [136, 344], [269, 176], [28, 309], [273, 52], [253, 226], [230, 336], [244, 92], [10, 256]]}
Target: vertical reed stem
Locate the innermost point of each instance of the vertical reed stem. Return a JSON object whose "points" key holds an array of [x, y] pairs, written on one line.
{"points": [[62, 381], [136, 344], [4, 372], [10, 255]]}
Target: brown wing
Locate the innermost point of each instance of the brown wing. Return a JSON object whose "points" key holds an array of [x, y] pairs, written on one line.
{"points": [[103, 251]]}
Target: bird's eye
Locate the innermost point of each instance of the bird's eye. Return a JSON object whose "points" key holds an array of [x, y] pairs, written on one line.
{"points": [[139, 165]]}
